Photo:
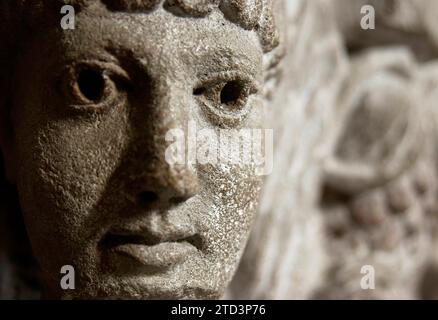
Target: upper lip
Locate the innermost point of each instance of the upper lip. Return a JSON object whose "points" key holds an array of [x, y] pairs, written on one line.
{"points": [[146, 236]]}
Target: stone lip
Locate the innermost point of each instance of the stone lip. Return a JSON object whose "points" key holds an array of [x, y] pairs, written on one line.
{"points": [[148, 251], [160, 256]]}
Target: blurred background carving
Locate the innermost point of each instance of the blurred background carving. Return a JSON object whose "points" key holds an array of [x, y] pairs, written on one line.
{"points": [[357, 159]]}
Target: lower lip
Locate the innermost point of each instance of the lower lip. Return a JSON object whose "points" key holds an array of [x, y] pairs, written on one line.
{"points": [[160, 256]]}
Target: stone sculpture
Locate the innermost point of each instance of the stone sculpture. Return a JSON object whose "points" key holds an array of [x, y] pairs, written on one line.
{"points": [[84, 116], [84, 140]]}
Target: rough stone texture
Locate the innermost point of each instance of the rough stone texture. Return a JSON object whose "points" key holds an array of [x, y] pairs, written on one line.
{"points": [[380, 191], [285, 256], [355, 178], [88, 133], [377, 177], [381, 181]]}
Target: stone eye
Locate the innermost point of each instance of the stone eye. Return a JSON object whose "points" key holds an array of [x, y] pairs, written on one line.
{"points": [[227, 96], [95, 85], [232, 94], [91, 85]]}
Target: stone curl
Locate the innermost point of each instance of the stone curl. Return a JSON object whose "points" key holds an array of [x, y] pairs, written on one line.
{"points": [[254, 15]]}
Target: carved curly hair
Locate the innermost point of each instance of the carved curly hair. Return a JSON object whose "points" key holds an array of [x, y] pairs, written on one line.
{"points": [[254, 15]]}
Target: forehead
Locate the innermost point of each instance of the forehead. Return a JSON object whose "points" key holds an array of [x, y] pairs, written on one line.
{"points": [[161, 37]]}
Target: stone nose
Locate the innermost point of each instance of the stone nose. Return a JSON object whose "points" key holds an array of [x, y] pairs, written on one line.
{"points": [[164, 182], [167, 185]]}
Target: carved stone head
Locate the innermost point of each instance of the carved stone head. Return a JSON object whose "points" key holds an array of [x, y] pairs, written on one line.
{"points": [[84, 119]]}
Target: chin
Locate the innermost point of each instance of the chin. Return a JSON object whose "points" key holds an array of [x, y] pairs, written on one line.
{"points": [[168, 286]]}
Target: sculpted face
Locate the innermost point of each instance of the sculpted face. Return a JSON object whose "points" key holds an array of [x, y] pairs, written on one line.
{"points": [[91, 113]]}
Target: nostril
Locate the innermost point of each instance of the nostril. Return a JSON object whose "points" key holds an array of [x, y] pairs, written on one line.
{"points": [[177, 200], [146, 198]]}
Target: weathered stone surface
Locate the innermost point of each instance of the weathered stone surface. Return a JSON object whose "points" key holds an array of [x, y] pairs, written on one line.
{"points": [[355, 175]]}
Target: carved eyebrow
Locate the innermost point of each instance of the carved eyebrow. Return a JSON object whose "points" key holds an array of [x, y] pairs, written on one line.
{"points": [[225, 59], [209, 62], [126, 57]]}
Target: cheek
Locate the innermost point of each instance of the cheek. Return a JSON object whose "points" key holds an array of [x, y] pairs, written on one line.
{"points": [[239, 198], [65, 166], [234, 193]]}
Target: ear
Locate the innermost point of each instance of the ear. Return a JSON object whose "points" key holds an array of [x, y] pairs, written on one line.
{"points": [[6, 143]]}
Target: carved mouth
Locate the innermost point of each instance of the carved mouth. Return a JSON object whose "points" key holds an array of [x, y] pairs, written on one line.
{"points": [[128, 251], [113, 240], [139, 250]]}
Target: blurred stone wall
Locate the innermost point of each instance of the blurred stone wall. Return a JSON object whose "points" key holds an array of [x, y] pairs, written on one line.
{"points": [[357, 184]]}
